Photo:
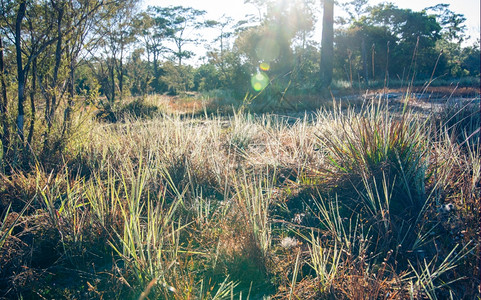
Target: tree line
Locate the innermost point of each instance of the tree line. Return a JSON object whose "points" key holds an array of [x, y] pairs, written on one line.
{"points": [[56, 53]]}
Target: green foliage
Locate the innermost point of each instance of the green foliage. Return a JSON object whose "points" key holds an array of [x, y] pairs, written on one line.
{"points": [[452, 23], [138, 109], [366, 49], [206, 78], [470, 59], [139, 75], [87, 85], [232, 73], [173, 22], [385, 42], [178, 78]]}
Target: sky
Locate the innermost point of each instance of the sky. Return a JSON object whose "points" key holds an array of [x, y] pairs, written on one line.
{"points": [[237, 9]]}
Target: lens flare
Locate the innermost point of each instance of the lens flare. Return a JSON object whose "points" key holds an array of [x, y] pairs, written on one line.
{"points": [[259, 81], [265, 66]]}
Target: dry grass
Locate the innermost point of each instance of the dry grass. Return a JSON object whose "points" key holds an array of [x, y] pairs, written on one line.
{"points": [[346, 204]]}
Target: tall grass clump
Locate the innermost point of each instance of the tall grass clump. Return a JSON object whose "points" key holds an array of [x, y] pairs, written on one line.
{"points": [[254, 196], [189, 151], [346, 266], [148, 240], [461, 120], [380, 156], [342, 260]]}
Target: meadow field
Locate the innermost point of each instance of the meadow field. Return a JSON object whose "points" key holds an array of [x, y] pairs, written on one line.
{"points": [[168, 198]]}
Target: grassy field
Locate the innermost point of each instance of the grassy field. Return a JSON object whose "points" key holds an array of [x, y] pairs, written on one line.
{"points": [[374, 200]]}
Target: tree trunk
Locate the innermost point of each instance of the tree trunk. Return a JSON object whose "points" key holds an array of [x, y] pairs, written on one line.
{"points": [[179, 53], [120, 74], [71, 93], [28, 146], [364, 61], [156, 66], [51, 105], [327, 44], [386, 71], [50, 114], [373, 52], [112, 77], [20, 70], [5, 136], [32, 102]]}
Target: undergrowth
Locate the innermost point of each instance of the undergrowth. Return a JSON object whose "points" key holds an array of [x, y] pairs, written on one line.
{"points": [[364, 202]]}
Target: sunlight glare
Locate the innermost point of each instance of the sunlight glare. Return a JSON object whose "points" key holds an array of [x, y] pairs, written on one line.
{"points": [[259, 81], [267, 49], [264, 67]]}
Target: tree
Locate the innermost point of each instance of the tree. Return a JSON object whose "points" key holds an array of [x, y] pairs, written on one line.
{"points": [[327, 44], [178, 78], [224, 34], [47, 37], [452, 36], [85, 14], [356, 8], [233, 73], [51, 89], [269, 48], [119, 33], [5, 135], [206, 78], [471, 59], [21, 69], [71, 22], [46, 27], [452, 23], [391, 34], [350, 57], [416, 34], [28, 46], [154, 32], [181, 24], [307, 67], [138, 73]]}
